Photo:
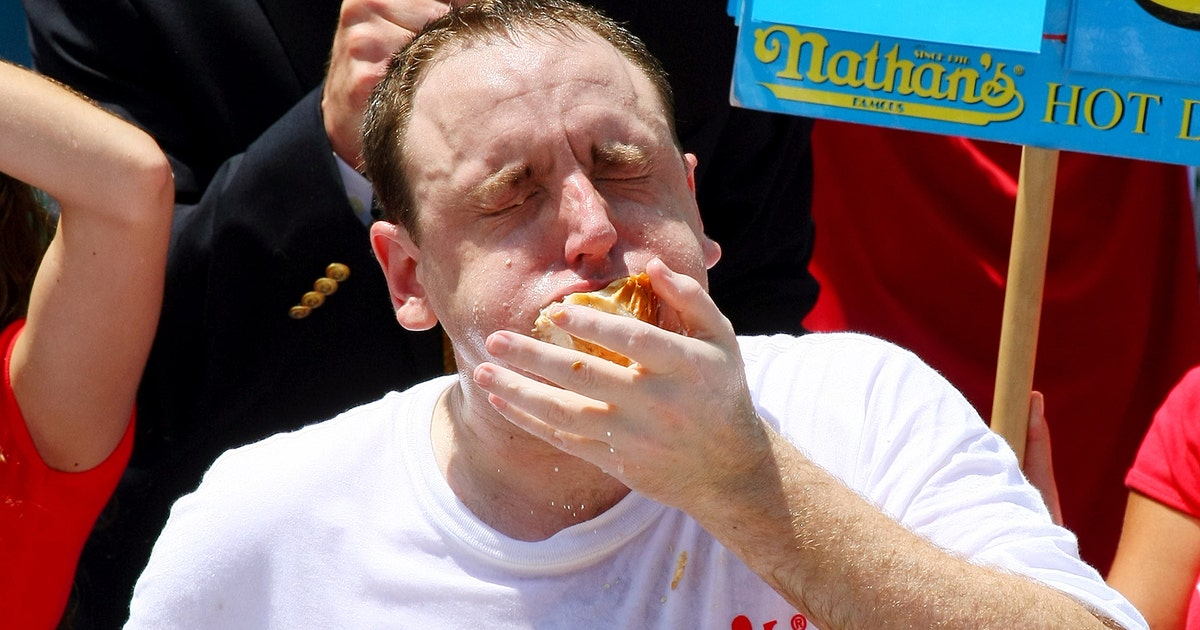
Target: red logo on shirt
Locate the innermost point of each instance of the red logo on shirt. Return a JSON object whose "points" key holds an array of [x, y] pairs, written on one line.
{"points": [[742, 622]]}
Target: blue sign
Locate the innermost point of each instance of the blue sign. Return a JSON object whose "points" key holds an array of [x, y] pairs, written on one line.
{"points": [[1115, 77], [1131, 39], [1010, 25]]}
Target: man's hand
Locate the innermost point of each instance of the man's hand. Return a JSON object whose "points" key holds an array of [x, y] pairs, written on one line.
{"points": [[678, 426], [369, 31]]}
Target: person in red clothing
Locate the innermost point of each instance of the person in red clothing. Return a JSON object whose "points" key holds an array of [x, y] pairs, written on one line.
{"points": [[78, 316], [915, 232], [1158, 559]]}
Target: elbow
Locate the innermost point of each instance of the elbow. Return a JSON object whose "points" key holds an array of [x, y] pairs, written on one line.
{"points": [[148, 192], [153, 171]]}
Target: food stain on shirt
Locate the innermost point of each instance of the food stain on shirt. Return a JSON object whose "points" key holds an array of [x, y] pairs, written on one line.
{"points": [[680, 565]]}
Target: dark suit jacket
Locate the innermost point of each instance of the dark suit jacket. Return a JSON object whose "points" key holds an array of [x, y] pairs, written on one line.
{"points": [[211, 79]]}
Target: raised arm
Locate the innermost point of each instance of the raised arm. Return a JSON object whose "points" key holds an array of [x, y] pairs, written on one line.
{"points": [[702, 447], [97, 295]]}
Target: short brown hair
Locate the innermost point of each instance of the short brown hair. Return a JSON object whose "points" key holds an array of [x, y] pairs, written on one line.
{"points": [[390, 109]]}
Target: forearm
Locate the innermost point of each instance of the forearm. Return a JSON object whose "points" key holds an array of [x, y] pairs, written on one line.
{"points": [[53, 139], [845, 564]]}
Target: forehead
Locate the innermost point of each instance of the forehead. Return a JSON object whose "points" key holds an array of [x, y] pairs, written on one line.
{"points": [[487, 87], [501, 63]]}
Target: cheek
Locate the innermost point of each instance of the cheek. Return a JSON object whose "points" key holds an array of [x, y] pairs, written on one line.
{"points": [[501, 291], [674, 241]]}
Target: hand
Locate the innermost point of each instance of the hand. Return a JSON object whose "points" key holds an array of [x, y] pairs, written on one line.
{"points": [[369, 32], [678, 426], [1039, 465]]}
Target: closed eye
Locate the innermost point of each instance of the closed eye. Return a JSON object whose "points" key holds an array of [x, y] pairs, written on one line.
{"points": [[503, 190], [511, 203], [620, 161]]}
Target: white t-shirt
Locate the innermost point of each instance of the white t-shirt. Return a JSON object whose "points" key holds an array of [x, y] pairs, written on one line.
{"points": [[350, 524]]}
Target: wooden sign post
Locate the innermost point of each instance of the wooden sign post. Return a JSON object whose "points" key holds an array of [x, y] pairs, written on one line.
{"points": [[1023, 296], [1098, 76]]}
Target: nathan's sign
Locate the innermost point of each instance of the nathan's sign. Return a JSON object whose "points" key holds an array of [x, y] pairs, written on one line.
{"points": [[1082, 82]]}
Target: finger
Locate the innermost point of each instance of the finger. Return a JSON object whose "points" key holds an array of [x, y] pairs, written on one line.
{"points": [[1039, 463], [411, 15], [652, 349], [698, 314], [659, 350], [374, 38], [570, 369], [603, 455], [562, 440], [562, 416]]}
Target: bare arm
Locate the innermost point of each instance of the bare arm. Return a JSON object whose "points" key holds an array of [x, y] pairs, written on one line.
{"points": [[846, 564], [97, 295], [1158, 561], [687, 435]]}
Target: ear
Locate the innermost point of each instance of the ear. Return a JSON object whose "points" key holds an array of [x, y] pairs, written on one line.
{"points": [[711, 249], [712, 252], [399, 257], [689, 162]]}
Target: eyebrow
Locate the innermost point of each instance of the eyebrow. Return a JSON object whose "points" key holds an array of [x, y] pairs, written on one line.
{"points": [[501, 180], [613, 153], [620, 153]]}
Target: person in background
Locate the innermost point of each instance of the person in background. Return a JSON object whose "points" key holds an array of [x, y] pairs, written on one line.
{"points": [[270, 223], [918, 255], [523, 151], [1157, 565], [258, 104], [78, 306]]}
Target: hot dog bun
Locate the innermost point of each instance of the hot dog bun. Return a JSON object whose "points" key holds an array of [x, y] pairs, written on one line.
{"points": [[630, 296]]}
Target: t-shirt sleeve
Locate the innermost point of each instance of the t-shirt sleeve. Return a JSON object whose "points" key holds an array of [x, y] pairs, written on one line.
{"points": [[1167, 467], [898, 433], [968, 494]]}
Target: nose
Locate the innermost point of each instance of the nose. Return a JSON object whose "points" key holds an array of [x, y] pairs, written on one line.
{"points": [[591, 233]]}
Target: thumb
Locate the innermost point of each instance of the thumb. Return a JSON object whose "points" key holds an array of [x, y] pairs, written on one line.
{"points": [[1039, 464]]}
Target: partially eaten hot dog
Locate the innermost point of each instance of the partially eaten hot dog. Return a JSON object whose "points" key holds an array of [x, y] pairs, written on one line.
{"points": [[630, 296]]}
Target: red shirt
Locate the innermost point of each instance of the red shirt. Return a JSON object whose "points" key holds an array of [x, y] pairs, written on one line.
{"points": [[45, 514], [1167, 468]]}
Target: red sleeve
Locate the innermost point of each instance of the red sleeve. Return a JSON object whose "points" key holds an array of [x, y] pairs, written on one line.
{"points": [[1167, 468], [45, 515]]}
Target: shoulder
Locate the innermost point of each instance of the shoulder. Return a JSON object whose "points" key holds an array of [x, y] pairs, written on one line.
{"points": [[1183, 399], [848, 361], [318, 455], [357, 427], [285, 483], [1175, 428], [823, 346], [1166, 468], [849, 398]]}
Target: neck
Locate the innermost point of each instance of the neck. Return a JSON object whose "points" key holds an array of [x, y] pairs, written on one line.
{"points": [[514, 482]]}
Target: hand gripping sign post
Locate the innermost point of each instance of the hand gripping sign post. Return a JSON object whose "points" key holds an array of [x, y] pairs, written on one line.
{"points": [[1114, 77]]}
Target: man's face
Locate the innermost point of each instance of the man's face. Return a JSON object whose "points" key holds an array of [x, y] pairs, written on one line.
{"points": [[541, 168]]}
